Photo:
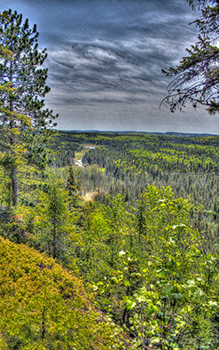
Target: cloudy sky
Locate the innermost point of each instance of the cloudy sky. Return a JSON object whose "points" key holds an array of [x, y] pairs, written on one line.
{"points": [[105, 59]]}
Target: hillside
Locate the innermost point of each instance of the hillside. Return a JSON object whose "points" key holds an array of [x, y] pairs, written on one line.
{"points": [[43, 306]]}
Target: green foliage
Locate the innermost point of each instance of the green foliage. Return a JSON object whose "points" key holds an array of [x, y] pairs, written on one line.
{"points": [[164, 291], [44, 307], [148, 257], [125, 164], [172, 306]]}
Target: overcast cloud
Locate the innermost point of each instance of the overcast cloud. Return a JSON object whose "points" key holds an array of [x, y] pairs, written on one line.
{"points": [[105, 60]]}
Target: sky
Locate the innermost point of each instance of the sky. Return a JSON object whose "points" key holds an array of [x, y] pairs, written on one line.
{"points": [[105, 59]]}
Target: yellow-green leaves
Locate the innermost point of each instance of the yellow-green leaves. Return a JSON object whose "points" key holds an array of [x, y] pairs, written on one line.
{"points": [[43, 305]]}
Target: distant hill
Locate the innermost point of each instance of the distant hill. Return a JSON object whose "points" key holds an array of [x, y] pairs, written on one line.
{"points": [[170, 133]]}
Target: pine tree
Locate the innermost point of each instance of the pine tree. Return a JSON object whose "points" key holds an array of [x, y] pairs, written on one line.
{"points": [[196, 78], [24, 109]]}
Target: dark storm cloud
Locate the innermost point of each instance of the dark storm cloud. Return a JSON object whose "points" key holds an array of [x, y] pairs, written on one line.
{"points": [[128, 65], [117, 20], [115, 45], [104, 66], [60, 21]]}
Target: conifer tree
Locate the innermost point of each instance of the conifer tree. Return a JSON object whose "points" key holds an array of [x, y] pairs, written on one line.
{"points": [[72, 186], [56, 212], [196, 78], [24, 74]]}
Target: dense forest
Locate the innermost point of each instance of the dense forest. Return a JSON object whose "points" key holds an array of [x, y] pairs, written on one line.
{"points": [[107, 240], [135, 218]]}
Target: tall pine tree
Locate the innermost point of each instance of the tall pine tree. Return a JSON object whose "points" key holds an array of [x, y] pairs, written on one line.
{"points": [[24, 74], [7, 117]]}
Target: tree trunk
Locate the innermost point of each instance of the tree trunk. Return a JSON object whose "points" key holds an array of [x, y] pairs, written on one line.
{"points": [[12, 142]]}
